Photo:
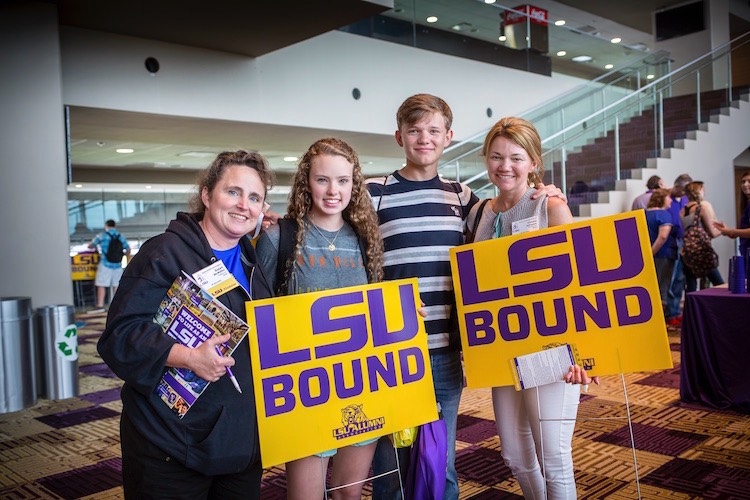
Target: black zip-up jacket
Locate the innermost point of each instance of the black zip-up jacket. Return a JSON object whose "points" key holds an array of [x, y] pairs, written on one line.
{"points": [[219, 435]]}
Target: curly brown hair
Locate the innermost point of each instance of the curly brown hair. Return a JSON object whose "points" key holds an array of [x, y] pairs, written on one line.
{"points": [[658, 197], [360, 213]]}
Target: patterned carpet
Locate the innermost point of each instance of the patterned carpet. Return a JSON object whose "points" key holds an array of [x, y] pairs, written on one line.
{"points": [[70, 448]]}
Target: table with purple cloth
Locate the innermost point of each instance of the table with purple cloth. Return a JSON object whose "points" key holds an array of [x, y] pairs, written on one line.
{"points": [[715, 349]]}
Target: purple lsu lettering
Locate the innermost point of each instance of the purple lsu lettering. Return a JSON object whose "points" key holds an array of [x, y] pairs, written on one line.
{"points": [[480, 325], [313, 386]]}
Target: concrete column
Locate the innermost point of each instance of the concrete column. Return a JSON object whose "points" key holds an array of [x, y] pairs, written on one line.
{"points": [[34, 258]]}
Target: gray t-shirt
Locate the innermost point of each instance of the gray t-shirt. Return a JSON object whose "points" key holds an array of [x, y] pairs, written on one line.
{"points": [[525, 208], [317, 267]]}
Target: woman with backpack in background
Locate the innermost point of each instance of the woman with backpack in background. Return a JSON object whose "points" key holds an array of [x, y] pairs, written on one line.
{"points": [[699, 213], [330, 238]]}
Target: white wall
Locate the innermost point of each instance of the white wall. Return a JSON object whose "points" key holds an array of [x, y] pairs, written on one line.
{"points": [[308, 84], [34, 260]]}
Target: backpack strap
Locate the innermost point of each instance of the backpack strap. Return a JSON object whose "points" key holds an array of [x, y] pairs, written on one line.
{"points": [[287, 243], [471, 234]]}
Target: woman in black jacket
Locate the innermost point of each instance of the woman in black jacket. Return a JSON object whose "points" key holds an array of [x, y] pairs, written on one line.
{"points": [[212, 452]]}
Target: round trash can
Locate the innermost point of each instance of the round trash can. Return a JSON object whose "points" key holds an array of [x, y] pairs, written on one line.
{"points": [[57, 361], [18, 386]]}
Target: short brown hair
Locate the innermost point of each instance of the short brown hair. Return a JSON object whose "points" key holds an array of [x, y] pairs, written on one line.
{"points": [[418, 106], [657, 198], [209, 177]]}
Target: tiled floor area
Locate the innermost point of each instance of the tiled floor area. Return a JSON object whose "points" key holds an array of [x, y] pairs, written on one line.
{"points": [[70, 448]]}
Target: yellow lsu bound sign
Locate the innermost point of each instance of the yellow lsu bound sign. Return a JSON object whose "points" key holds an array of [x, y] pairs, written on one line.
{"points": [[338, 367], [83, 266], [591, 284]]}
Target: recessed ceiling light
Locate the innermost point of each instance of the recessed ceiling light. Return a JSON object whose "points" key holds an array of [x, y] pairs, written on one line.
{"points": [[432, 19], [649, 77], [124, 150], [197, 154], [79, 185], [609, 66], [581, 58], [560, 22], [502, 38], [148, 187], [561, 53], [290, 158], [489, 1], [616, 39], [456, 27]]}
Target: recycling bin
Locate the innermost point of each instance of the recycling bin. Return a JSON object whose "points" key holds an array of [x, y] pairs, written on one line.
{"points": [[18, 385], [57, 359]]}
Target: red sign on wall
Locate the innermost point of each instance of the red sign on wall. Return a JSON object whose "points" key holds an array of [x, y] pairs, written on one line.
{"points": [[519, 14]]}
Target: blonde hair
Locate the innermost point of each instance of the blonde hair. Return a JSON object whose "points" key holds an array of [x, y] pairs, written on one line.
{"points": [[523, 134], [360, 213]]}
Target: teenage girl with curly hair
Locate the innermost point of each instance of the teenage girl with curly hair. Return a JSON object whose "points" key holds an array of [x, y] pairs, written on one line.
{"points": [[338, 244]]}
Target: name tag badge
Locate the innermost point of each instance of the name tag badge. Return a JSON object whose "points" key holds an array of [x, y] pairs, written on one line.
{"points": [[525, 225], [216, 279]]}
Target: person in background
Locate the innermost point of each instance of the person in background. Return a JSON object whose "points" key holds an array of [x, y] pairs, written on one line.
{"points": [[641, 201], [661, 232], [677, 286], [743, 230], [421, 217], [695, 193], [213, 451], [535, 425], [108, 273], [337, 244]]}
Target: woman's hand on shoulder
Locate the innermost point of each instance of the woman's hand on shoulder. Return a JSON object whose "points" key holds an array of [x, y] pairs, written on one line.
{"points": [[550, 191]]}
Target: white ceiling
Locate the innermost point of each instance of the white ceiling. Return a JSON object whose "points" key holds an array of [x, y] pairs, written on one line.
{"points": [[168, 149]]}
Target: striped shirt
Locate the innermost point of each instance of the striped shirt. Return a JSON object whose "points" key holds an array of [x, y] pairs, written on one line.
{"points": [[420, 221]]}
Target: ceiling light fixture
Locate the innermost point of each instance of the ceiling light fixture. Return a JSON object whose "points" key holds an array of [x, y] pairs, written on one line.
{"points": [[290, 158], [502, 38], [609, 66], [79, 185], [432, 19], [561, 53], [489, 1], [581, 58], [198, 154], [616, 39], [650, 77], [124, 150], [560, 22], [148, 187]]}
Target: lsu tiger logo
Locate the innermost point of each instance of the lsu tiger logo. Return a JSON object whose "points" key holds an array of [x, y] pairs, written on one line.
{"points": [[356, 422], [352, 415]]}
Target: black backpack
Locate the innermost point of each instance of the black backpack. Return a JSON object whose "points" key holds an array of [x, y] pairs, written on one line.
{"points": [[115, 249]]}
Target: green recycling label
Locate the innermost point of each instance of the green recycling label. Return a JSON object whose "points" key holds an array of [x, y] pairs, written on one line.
{"points": [[66, 343]]}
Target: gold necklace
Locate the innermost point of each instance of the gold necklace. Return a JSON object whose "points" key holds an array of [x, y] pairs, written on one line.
{"points": [[331, 245]]}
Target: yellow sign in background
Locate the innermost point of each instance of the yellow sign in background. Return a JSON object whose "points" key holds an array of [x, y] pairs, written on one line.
{"points": [[338, 367], [591, 284], [83, 266]]}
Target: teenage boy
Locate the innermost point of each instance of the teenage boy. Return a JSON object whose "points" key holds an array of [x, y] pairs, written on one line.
{"points": [[421, 217]]}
